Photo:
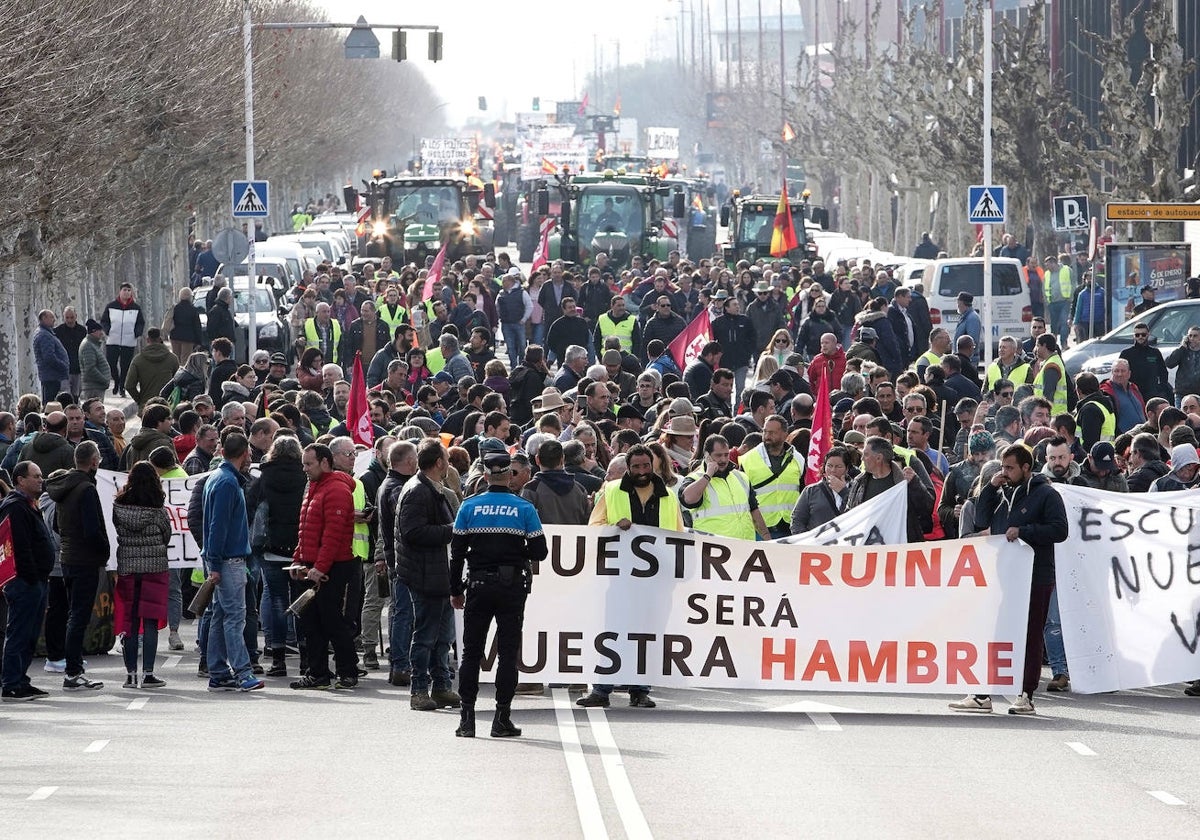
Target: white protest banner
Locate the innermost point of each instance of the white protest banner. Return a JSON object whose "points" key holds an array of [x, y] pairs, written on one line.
{"points": [[662, 143], [1128, 582], [447, 155], [663, 608], [882, 520], [183, 553], [555, 145]]}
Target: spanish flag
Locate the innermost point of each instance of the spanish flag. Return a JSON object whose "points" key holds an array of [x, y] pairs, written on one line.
{"points": [[548, 166], [783, 238]]}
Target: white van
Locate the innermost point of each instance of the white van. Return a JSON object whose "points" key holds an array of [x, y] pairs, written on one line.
{"points": [[944, 279], [290, 251]]}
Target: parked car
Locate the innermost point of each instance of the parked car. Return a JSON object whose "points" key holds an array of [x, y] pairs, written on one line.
{"points": [[274, 331], [1168, 323]]}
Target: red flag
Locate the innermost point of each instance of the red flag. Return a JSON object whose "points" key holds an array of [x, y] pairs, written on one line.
{"points": [[821, 440], [358, 410], [783, 238], [8, 557], [688, 343], [542, 257], [435, 272], [583, 104]]}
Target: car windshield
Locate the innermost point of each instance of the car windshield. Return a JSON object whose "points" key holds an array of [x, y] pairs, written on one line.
{"points": [[425, 204], [758, 223], [968, 277], [604, 212], [1168, 328], [262, 269]]}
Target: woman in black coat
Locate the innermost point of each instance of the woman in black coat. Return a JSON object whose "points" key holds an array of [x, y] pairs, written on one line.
{"points": [[184, 330], [277, 494]]}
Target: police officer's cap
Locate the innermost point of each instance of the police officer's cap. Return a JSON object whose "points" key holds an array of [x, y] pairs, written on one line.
{"points": [[497, 463]]}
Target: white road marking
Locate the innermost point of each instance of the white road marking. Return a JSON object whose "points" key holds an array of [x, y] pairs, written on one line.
{"points": [[139, 703], [42, 793], [172, 661], [1082, 749], [824, 722], [808, 706], [96, 746], [632, 818], [1161, 795], [586, 801]]}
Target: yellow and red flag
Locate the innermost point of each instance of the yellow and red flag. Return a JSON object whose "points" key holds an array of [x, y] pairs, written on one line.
{"points": [[783, 238], [788, 134]]}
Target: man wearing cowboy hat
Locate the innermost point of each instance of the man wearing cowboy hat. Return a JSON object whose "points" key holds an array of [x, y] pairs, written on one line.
{"points": [[765, 313]]}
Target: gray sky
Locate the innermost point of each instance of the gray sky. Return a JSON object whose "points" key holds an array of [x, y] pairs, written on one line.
{"points": [[515, 50]]}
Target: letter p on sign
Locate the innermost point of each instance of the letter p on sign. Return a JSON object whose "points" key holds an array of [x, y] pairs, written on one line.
{"points": [[1071, 212]]}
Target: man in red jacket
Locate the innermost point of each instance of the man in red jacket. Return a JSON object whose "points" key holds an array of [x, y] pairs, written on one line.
{"points": [[831, 362], [324, 545]]}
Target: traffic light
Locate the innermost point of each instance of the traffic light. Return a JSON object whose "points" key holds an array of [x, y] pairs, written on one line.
{"points": [[399, 45], [483, 103], [435, 46], [537, 103]]}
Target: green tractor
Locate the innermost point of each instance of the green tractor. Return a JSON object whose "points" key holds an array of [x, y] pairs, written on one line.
{"points": [[619, 215], [750, 221], [412, 217]]}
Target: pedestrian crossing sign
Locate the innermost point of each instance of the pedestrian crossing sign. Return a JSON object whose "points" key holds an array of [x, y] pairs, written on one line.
{"points": [[250, 199], [986, 204]]}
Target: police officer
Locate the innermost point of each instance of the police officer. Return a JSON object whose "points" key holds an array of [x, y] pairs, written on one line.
{"points": [[497, 535]]}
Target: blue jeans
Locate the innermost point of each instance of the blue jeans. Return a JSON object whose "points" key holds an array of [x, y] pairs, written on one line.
{"points": [[539, 335], [1058, 313], [227, 654], [433, 633], [400, 626], [278, 629], [605, 689], [26, 607], [175, 598], [514, 340], [1056, 652]]}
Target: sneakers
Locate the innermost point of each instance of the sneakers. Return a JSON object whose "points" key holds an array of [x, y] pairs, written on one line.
{"points": [[593, 701], [531, 689], [174, 642], [307, 683], [641, 700], [250, 683], [131, 682], [1061, 682], [150, 681], [446, 699], [971, 703], [1023, 705], [257, 669], [345, 683], [224, 684], [370, 660], [21, 694], [80, 682], [399, 678], [422, 702], [56, 666], [202, 670]]}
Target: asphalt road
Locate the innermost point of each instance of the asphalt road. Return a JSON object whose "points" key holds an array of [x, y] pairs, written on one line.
{"points": [[181, 762]]}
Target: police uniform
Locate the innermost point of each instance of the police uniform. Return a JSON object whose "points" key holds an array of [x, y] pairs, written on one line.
{"points": [[497, 535]]}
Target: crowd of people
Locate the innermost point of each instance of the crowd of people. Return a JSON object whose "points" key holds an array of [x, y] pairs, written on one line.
{"points": [[585, 420]]}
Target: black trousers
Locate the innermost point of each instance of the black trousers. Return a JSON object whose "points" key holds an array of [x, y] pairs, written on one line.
{"points": [[119, 359], [55, 629], [505, 604], [330, 619]]}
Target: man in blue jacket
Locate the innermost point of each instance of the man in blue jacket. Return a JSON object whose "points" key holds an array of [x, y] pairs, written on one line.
{"points": [[50, 357], [1023, 505], [226, 548]]}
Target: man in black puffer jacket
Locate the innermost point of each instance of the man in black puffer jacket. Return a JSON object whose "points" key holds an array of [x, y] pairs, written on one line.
{"points": [[424, 526], [402, 466], [84, 555]]}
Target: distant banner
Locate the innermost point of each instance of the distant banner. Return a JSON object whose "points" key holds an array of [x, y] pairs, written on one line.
{"points": [[662, 608], [183, 553], [1164, 266], [557, 145], [447, 155], [882, 520], [662, 143], [1129, 588]]}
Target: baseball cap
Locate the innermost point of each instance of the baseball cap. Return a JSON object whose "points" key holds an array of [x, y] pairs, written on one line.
{"points": [[868, 334], [442, 376], [497, 463], [853, 438], [843, 405], [491, 445], [1104, 456]]}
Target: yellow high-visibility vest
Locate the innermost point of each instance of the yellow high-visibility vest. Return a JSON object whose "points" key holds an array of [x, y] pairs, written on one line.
{"points": [[777, 497], [725, 510], [617, 506]]}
